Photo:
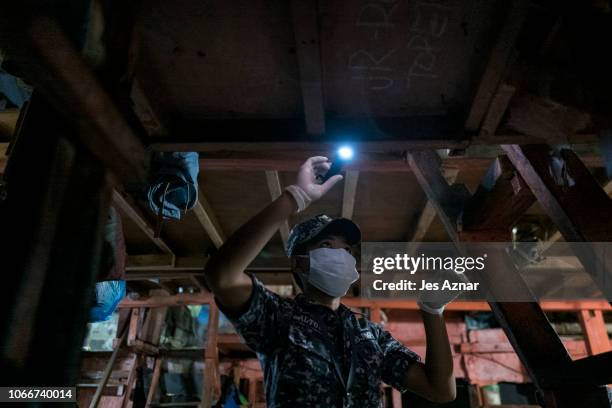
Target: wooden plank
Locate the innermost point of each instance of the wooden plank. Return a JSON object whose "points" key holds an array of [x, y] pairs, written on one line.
{"points": [[141, 222], [150, 261], [497, 64], [545, 119], [154, 382], [133, 326], [351, 179], [594, 330], [211, 385], [108, 370], [208, 220], [275, 188], [445, 199], [496, 110], [306, 31], [200, 298], [428, 214]]}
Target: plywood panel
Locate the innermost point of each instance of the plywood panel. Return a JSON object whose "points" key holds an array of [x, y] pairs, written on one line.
{"points": [[397, 58], [221, 58]]}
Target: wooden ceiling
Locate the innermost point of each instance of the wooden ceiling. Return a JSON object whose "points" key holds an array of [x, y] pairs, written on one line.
{"points": [[256, 87]]}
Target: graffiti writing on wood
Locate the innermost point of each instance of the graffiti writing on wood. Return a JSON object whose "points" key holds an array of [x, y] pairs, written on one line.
{"points": [[428, 22]]}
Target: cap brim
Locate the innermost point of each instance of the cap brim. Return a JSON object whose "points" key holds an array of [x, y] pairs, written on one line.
{"points": [[344, 227]]}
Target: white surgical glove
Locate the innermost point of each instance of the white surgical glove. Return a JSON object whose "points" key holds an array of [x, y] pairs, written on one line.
{"points": [[306, 189]]}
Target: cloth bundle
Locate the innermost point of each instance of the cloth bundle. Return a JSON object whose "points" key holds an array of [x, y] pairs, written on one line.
{"points": [[174, 186]]}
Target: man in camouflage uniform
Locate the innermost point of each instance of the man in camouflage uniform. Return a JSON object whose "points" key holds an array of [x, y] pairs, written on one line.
{"points": [[314, 351]]}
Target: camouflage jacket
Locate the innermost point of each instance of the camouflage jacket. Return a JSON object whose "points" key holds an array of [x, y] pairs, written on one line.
{"points": [[312, 356]]}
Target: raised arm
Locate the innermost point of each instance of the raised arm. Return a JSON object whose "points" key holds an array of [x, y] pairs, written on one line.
{"points": [[224, 272], [434, 380]]}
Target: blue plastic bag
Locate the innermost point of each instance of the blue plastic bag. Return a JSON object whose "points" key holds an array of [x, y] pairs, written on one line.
{"points": [[108, 295]]}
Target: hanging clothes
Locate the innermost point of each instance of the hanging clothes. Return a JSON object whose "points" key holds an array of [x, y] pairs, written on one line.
{"points": [[174, 185]]}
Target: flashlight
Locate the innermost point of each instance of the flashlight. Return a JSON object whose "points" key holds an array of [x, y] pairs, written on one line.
{"points": [[343, 155]]}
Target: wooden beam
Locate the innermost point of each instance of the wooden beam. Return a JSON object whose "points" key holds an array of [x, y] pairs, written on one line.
{"points": [[306, 31], [350, 190], [141, 222], [476, 158], [556, 236], [571, 208], [496, 110], [501, 198], [200, 298], [211, 386], [397, 140], [594, 369], [428, 214], [209, 222], [445, 199], [545, 119], [524, 323], [359, 302], [498, 63], [275, 188]]}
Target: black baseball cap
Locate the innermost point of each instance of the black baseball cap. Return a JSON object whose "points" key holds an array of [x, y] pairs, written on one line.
{"points": [[319, 225]]}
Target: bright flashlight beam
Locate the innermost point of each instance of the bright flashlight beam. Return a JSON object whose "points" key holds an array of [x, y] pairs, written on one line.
{"points": [[345, 153]]}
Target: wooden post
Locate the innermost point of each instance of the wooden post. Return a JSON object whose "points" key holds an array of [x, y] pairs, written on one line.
{"points": [[595, 333], [108, 370], [154, 381], [211, 358], [55, 212]]}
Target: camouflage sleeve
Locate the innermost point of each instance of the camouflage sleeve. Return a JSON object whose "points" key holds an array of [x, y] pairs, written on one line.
{"points": [[397, 358], [261, 323]]}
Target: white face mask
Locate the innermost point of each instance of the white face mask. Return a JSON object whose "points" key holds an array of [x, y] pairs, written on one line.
{"points": [[332, 271]]}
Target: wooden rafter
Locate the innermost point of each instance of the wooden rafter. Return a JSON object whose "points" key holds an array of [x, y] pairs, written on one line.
{"points": [[306, 30], [141, 222], [497, 64], [497, 109], [350, 190], [428, 214], [208, 220], [275, 188]]}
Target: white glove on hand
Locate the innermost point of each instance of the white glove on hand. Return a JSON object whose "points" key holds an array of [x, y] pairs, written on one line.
{"points": [[438, 303], [307, 190]]}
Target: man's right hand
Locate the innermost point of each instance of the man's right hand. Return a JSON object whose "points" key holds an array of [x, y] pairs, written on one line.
{"points": [[307, 189]]}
